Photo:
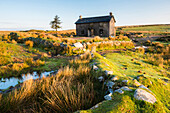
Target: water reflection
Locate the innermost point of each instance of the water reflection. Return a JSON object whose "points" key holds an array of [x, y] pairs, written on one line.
{"points": [[7, 82]]}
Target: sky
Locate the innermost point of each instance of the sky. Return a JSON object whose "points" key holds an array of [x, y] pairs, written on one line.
{"points": [[37, 14]]}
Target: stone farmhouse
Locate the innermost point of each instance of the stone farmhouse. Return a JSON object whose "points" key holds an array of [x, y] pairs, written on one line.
{"points": [[103, 26]]}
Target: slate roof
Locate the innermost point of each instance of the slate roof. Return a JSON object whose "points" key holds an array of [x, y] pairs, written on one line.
{"points": [[95, 19]]}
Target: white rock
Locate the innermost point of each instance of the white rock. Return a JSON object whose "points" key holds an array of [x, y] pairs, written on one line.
{"points": [[108, 72], [125, 88], [108, 97], [101, 78], [110, 84], [95, 67], [115, 78], [78, 45], [125, 81], [144, 87], [119, 91], [141, 94]]}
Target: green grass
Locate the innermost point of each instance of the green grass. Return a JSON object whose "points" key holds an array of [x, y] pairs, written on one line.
{"points": [[16, 59], [149, 28], [123, 103], [121, 65]]}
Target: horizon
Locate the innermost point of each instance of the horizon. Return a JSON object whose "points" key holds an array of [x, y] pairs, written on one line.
{"points": [[25, 15]]}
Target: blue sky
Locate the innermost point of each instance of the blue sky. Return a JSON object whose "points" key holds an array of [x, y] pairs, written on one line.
{"points": [[37, 14]]}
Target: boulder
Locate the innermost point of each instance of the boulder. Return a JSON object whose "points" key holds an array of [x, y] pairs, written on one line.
{"points": [[110, 84], [119, 91], [144, 87], [101, 78], [108, 97], [97, 105], [95, 67], [115, 78], [125, 88], [108, 72], [136, 83], [141, 94], [78, 45], [125, 81]]}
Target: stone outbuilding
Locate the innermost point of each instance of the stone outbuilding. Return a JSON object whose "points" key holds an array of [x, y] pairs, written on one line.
{"points": [[103, 26]]}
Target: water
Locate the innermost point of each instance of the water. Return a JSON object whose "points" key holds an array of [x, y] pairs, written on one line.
{"points": [[7, 82]]}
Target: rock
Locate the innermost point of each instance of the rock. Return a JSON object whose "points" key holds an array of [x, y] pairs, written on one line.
{"points": [[78, 45], [143, 75], [95, 67], [116, 87], [125, 81], [110, 91], [136, 83], [115, 78], [108, 97], [125, 88], [110, 84], [141, 94], [119, 91], [144, 87], [101, 78], [108, 72]]}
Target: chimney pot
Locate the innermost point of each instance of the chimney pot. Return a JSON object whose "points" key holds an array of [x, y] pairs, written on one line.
{"points": [[111, 14], [80, 17]]}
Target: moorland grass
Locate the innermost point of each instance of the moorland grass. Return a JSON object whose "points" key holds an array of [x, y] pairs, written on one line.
{"points": [[73, 88], [16, 59]]}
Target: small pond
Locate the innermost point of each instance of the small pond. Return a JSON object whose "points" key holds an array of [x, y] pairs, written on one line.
{"points": [[7, 82]]}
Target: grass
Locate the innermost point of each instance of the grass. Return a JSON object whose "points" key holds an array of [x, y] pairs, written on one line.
{"points": [[16, 59], [123, 103], [74, 87], [123, 61], [149, 28]]}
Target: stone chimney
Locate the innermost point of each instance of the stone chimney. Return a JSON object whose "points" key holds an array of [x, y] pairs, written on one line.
{"points": [[80, 17], [111, 14]]}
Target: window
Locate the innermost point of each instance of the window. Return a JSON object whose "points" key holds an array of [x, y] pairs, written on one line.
{"points": [[101, 31]]}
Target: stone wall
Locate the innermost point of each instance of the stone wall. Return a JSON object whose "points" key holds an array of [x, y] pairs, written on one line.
{"points": [[96, 29]]}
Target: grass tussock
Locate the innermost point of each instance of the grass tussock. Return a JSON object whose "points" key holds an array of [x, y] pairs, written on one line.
{"points": [[73, 88]]}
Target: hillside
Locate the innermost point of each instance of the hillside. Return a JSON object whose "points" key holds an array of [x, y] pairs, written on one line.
{"points": [[45, 72]]}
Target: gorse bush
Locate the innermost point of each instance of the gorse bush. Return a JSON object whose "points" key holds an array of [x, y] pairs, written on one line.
{"points": [[140, 50], [29, 43]]}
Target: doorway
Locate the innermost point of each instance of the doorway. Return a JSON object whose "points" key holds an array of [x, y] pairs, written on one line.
{"points": [[90, 32]]}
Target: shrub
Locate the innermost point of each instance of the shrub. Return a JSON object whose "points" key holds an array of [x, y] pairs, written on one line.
{"points": [[13, 41], [29, 43], [140, 50]]}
